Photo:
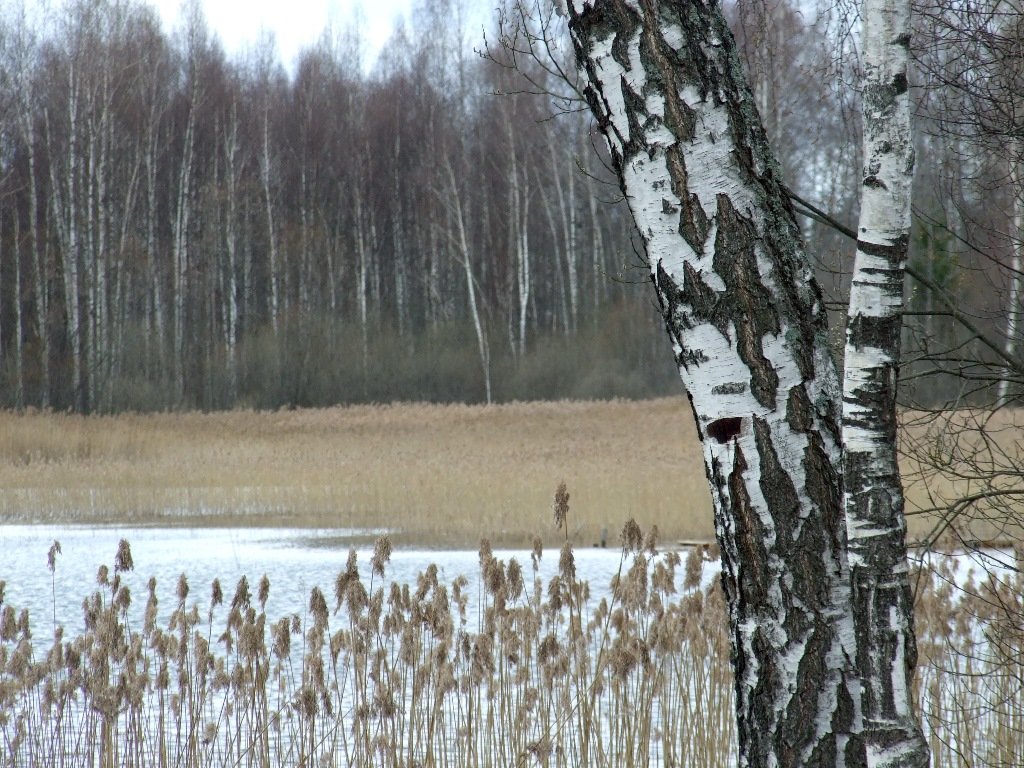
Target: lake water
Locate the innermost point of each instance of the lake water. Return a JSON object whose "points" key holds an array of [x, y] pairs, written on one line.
{"points": [[295, 560]]}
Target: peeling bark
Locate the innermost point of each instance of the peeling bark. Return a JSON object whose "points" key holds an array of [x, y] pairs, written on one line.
{"points": [[873, 493], [748, 326]]}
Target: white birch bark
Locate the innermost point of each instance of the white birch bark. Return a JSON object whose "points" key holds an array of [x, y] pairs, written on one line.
{"points": [[362, 264], [231, 173], [268, 200], [517, 206], [462, 246], [873, 493], [1013, 299], [123, 285], [182, 222], [26, 124], [64, 201], [523, 266], [597, 263], [19, 331], [571, 255], [555, 218], [159, 311], [748, 327]]}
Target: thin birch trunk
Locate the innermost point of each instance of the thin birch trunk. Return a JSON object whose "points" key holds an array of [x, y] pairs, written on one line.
{"points": [[27, 123], [748, 326], [1013, 308], [462, 244], [398, 239], [268, 201], [19, 368], [560, 297], [182, 222], [518, 207], [571, 256], [24, 49], [362, 260], [65, 205], [230, 148], [873, 492], [124, 287], [597, 264], [155, 356], [523, 267]]}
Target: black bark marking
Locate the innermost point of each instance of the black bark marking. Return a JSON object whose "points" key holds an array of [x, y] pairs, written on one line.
{"points": [[705, 303], [724, 430], [676, 318], [802, 544], [729, 388], [824, 488], [636, 114], [799, 414], [746, 299], [894, 252], [765, 691], [679, 119], [696, 418], [776, 485], [754, 579], [803, 706], [693, 222]]}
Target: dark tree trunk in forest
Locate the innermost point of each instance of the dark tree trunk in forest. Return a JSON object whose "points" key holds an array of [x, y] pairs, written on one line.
{"points": [[748, 327]]}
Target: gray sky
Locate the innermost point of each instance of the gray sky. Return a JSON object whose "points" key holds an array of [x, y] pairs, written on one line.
{"points": [[295, 23]]}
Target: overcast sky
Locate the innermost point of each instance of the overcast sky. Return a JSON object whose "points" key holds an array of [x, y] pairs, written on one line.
{"points": [[295, 23]]}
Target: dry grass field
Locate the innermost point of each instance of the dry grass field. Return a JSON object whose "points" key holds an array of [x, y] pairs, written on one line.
{"points": [[442, 475], [439, 474], [963, 474]]}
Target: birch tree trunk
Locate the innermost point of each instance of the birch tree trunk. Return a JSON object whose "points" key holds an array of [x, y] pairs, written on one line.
{"points": [[231, 175], [873, 492], [182, 224], [748, 327], [1013, 304], [462, 247], [27, 125], [273, 267]]}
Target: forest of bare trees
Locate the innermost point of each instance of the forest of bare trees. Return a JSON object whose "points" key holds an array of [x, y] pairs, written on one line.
{"points": [[183, 230]]}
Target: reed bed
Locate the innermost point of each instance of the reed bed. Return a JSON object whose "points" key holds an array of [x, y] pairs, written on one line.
{"points": [[516, 673], [441, 475], [970, 639]]}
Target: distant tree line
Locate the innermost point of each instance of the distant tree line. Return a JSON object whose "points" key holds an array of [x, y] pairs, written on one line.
{"points": [[183, 230]]}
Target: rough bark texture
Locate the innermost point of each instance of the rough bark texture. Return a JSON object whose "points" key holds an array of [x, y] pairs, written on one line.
{"points": [[873, 497], [747, 324]]}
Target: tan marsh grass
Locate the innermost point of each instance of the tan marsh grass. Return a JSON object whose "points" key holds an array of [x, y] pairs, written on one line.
{"points": [[441, 474], [447, 474]]}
